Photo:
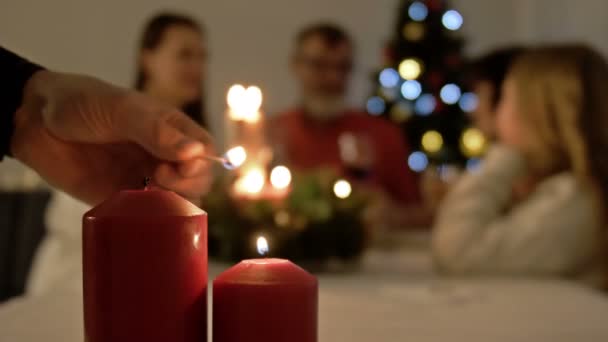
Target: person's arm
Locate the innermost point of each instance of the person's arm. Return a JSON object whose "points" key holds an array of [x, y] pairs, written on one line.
{"points": [[15, 72], [551, 232]]}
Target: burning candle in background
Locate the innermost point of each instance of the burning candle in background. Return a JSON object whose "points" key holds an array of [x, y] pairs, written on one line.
{"points": [[251, 183], [265, 300], [145, 269], [280, 177], [342, 189]]}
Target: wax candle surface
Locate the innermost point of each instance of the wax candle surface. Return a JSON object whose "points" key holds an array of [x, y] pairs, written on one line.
{"points": [[269, 300], [145, 269]]}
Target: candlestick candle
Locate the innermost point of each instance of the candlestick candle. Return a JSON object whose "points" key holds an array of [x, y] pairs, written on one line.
{"points": [[145, 269], [265, 300]]}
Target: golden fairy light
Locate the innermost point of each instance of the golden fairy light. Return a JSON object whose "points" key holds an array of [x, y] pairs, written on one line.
{"points": [[432, 141], [472, 142], [410, 68]]}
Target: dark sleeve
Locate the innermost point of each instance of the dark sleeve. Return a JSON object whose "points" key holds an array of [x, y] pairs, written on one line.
{"points": [[14, 74]]}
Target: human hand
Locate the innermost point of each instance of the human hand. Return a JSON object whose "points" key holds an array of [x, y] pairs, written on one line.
{"points": [[91, 139]]}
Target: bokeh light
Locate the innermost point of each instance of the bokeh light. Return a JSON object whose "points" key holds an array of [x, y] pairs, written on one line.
{"points": [[252, 182], [418, 11], [417, 161], [452, 20], [450, 93], [432, 141], [389, 78], [235, 94], [376, 105], [472, 142], [413, 31], [410, 68], [342, 189], [468, 102], [425, 105], [280, 177], [401, 112], [411, 89]]}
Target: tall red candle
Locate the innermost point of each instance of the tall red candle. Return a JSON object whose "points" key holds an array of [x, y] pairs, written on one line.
{"points": [[265, 300], [145, 269]]}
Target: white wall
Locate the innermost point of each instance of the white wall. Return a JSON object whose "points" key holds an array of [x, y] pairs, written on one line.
{"points": [[250, 39]]}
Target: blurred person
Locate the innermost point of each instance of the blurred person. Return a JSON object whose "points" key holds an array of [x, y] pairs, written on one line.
{"points": [[486, 74], [322, 132], [538, 205], [172, 63]]}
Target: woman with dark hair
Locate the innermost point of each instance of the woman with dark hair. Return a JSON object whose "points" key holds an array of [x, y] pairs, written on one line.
{"points": [[171, 66], [172, 63]]}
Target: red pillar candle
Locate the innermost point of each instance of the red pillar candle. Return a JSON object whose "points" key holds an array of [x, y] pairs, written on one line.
{"points": [[265, 300], [145, 269]]}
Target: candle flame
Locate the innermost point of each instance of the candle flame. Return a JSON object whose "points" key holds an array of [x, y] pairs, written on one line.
{"points": [[244, 103], [235, 94], [252, 182], [342, 189], [280, 177], [262, 245]]}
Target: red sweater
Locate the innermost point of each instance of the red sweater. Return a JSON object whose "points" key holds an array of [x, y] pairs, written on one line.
{"points": [[309, 144]]}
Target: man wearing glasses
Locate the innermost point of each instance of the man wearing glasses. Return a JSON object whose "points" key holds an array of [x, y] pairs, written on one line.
{"points": [[322, 132]]}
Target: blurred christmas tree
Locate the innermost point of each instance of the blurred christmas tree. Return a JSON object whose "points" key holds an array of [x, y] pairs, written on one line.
{"points": [[420, 86]]}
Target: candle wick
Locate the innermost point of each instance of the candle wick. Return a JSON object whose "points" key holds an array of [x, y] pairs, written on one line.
{"points": [[146, 182]]}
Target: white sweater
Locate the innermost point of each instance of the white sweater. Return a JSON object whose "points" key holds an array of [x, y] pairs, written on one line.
{"points": [[552, 232]]}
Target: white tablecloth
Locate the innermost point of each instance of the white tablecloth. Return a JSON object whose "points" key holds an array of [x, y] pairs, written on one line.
{"points": [[392, 297]]}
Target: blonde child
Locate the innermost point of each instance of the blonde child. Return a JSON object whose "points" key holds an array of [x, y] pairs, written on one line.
{"points": [[538, 205]]}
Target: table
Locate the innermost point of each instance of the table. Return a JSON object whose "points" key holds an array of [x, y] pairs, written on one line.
{"points": [[393, 296]]}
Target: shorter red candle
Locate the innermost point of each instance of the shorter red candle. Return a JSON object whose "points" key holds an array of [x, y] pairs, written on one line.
{"points": [[265, 300]]}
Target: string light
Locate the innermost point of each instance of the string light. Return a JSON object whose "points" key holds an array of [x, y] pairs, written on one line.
{"points": [[401, 112], [472, 142], [468, 102], [413, 31], [376, 105], [418, 11], [411, 89], [432, 141], [417, 161], [425, 105], [410, 68], [452, 20], [342, 189], [450, 93], [389, 78]]}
